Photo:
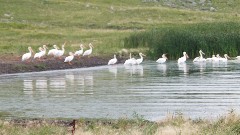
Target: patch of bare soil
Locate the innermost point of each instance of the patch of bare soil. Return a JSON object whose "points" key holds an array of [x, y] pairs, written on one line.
{"points": [[10, 64]]}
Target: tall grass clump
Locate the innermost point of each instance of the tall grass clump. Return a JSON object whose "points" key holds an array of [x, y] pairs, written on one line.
{"points": [[212, 38]]}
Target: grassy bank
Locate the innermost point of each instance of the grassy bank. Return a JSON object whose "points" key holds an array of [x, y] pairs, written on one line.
{"points": [[171, 125], [212, 38], [104, 23]]}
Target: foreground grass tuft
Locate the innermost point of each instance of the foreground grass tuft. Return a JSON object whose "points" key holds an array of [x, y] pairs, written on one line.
{"points": [[171, 125]]}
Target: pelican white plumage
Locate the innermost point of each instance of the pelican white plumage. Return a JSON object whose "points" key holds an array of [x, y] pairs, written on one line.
{"points": [[60, 53], [38, 55], [163, 59], [69, 58], [200, 58], [28, 55], [127, 62], [89, 51], [183, 59], [225, 59], [44, 51], [130, 61], [112, 61], [79, 52], [53, 51], [139, 61], [212, 59], [238, 57]]}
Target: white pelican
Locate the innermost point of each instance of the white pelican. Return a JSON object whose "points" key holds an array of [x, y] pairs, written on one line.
{"points": [[53, 51], [183, 59], [130, 61], [238, 57], [139, 61], [112, 61], [214, 58], [200, 58], [127, 62], [163, 59], [89, 51], [38, 55], [225, 59], [28, 55], [44, 51], [69, 58], [79, 52], [60, 53]]}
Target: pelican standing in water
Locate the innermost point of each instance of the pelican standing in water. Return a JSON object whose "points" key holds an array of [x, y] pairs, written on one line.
{"points": [[79, 52], [163, 59], [200, 58], [139, 61], [212, 59], [60, 53], [54, 51], [28, 55], [225, 59], [69, 58], [130, 61], [183, 59], [89, 51], [112, 61]]}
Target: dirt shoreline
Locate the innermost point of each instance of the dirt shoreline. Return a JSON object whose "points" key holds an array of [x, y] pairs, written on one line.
{"points": [[10, 65]]}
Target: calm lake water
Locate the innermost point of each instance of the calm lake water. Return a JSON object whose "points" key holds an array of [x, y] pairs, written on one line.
{"points": [[153, 90]]}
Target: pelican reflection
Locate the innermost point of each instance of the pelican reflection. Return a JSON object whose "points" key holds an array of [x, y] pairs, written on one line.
{"points": [[134, 69], [183, 67], [162, 68], [28, 87], [42, 86], [57, 83], [113, 70]]}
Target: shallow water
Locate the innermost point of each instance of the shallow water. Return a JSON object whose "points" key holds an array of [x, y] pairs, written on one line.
{"points": [[153, 90]]}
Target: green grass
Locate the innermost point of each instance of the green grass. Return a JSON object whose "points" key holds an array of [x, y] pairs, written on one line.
{"points": [[212, 38], [104, 23], [228, 124]]}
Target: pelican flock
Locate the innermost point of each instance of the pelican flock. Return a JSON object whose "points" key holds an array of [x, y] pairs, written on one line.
{"points": [[57, 53]]}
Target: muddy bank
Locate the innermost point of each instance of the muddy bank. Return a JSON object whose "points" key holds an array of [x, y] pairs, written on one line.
{"points": [[9, 65]]}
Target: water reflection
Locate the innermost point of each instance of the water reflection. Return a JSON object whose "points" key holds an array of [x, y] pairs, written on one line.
{"points": [[42, 86], [201, 66], [70, 78], [28, 87], [134, 69], [183, 67], [113, 69], [57, 83], [93, 92], [162, 68]]}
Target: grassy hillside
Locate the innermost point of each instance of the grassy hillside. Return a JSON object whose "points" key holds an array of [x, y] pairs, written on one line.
{"points": [[104, 23]]}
